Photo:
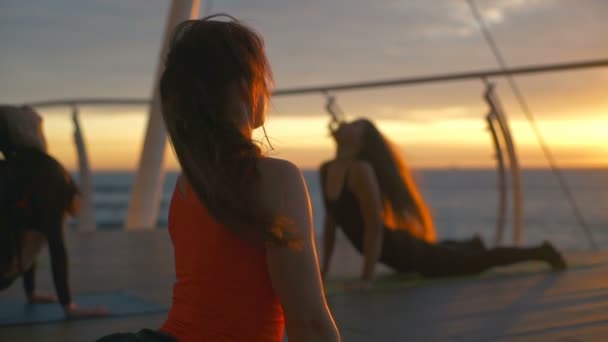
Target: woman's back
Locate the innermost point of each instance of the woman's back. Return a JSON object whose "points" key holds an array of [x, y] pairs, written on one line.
{"points": [[222, 291]]}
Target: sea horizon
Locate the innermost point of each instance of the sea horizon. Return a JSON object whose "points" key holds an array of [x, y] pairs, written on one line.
{"points": [[464, 202]]}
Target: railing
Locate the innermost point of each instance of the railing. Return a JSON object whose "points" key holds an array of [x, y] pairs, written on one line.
{"points": [[497, 121]]}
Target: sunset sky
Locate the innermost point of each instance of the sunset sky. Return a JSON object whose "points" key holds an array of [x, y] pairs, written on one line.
{"points": [[109, 48]]}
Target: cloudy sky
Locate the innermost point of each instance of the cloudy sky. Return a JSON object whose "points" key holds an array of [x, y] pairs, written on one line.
{"points": [[109, 48]]}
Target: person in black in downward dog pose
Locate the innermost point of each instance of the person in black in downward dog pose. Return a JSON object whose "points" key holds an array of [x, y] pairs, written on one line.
{"points": [[36, 196]]}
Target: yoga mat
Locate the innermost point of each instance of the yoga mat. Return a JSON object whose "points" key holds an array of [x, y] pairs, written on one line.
{"points": [[18, 312], [397, 281]]}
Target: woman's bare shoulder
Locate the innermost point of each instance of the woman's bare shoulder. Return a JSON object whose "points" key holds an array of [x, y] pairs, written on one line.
{"points": [[361, 168], [278, 178], [326, 164], [360, 173], [275, 166]]}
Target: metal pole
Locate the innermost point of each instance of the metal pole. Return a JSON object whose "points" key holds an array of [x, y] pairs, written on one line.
{"points": [[461, 76], [323, 89], [492, 100], [502, 185], [147, 186], [86, 215]]}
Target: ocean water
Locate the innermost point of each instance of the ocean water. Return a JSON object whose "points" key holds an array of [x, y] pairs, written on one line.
{"points": [[464, 202]]}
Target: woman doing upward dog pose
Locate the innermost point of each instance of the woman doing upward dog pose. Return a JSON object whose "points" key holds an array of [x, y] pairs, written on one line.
{"points": [[369, 193]]}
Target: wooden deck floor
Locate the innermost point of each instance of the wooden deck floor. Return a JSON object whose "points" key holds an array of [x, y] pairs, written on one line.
{"points": [[524, 303]]}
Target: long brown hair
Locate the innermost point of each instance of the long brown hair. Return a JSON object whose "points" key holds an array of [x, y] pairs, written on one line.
{"points": [[208, 60], [404, 207]]}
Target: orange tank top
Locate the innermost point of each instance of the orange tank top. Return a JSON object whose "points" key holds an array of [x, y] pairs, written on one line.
{"points": [[222, 290]]}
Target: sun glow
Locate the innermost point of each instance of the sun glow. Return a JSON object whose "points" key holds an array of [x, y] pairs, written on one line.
{"points": [[114, 142]]}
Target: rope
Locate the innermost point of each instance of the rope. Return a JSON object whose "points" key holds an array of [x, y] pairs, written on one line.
{"points": [[528, 113]]}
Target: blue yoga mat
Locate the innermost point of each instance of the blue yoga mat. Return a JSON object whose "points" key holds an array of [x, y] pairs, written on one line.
{"points": [[18, 312]]}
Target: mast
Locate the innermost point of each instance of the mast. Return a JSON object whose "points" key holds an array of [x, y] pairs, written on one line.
{"points": [[147, 186]]}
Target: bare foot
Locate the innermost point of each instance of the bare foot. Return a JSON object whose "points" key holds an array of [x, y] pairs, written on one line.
{"points": [[554, 258], [73, 311]]}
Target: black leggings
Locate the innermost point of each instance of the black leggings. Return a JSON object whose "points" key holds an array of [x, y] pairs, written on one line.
{"points": [[406, 253], [440, 260]]}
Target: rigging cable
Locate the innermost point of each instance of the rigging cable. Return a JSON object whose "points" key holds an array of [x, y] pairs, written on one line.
{"points": [[539, 137]]}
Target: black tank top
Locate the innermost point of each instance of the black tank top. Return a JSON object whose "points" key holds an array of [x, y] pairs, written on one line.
{"points": [[400, 249]]}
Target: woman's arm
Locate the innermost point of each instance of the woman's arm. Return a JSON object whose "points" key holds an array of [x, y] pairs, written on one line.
{"points": [[29, 279], [59, 262], [329, 240], [53, 200], [363, 183], [295, 272], [59, 267], [329, 225], [34, 297]]}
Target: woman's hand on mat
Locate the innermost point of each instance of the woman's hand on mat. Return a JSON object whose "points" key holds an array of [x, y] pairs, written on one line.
{"points": [[73, 311], [41, 298], [358, 284]]}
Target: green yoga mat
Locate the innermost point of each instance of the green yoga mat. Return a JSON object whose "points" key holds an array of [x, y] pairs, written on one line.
{"points": [[399, 281], [18, 312]]}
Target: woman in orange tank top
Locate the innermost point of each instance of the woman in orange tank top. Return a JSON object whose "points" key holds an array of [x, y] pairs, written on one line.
{"points": [[223, 291], [240, 222], [241, 226]]}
